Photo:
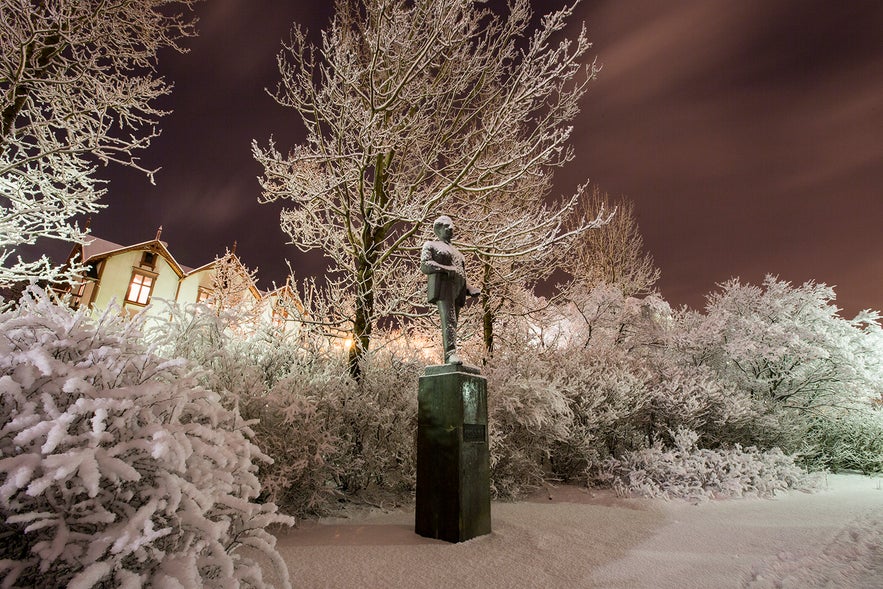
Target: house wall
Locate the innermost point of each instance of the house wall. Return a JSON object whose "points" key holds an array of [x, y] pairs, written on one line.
{"points": [[117, 274], [190, 284], [114, 276], [166, 287], [86, 294]]}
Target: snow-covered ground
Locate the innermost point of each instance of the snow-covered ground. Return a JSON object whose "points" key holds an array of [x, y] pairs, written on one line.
{"points": [[569, 537]]}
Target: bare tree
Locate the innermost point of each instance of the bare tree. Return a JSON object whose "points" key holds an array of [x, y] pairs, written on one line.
{"points": [[410, 105], [233, 289], [77, 89], [614, 254], [519, 238]]}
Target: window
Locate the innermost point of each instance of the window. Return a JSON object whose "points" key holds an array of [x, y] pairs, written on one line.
{"points": [[140, 288], [92, 270], [203, 295], [148, 260]]}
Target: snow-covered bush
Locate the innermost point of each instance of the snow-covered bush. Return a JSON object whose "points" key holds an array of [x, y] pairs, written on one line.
{"points": [[205, 336], [293, 431], [376, 422], [592, 352], [117, 468], [603, 377], [334, 437], [528, 414], [806, 370], [624, 385], [329, 435], [275, 380], [611, 377], [609, 399], [687, 472], [789, 345], [852, 441]]}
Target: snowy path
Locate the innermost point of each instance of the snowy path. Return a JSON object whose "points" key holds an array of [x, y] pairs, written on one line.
{"points": [[577, 538]]}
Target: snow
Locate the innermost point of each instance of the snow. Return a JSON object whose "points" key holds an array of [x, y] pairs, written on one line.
{"points": [[571, 537], [117, 468]]}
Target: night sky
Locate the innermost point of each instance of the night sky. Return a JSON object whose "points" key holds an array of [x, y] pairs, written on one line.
{"points": [[748, 134]]}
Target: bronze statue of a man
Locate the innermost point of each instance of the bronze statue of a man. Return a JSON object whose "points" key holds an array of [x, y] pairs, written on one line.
{"points": [[447, 287]]}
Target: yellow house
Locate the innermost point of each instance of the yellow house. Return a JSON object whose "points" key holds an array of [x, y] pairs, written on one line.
{"points": [[135, 275]]}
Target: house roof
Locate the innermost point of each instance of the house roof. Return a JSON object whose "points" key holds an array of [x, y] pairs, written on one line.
{"points": [[285, 292], [97, 248]]}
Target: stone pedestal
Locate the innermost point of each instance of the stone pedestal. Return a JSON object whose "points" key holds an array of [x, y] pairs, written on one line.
{"points": [[453, 462]]}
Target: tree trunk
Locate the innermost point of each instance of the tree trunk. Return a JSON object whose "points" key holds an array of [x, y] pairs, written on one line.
{"points": [[373, 234], [487, 313], [364, 316]]}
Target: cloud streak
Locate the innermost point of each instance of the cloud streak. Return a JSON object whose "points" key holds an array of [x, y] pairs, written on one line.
{"points": [[747, 134]]}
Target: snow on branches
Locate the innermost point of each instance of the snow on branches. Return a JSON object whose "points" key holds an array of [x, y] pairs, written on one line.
{"points": [[117, 469], [412, 108], [684, 471], [77, 89]]}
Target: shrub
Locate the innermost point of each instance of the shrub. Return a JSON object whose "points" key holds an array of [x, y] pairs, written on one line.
{"points": [[687, 472], [852, 440], [294, 432], [610, 402], [528, 414], [790, 351], [601, 378], [377, 424], [330, 436], [118, 469]]}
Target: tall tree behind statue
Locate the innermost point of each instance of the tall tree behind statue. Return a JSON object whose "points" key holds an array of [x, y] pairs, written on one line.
{"points": [[77, 89], [409, 105]]}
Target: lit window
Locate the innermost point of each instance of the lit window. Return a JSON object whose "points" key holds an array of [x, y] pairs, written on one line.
{"points": [[139, 288]]}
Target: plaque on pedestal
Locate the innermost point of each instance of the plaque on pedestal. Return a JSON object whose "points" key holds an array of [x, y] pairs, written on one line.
{"points": [[453, 461]]}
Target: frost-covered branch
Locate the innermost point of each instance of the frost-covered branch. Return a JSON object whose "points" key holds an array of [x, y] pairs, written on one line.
{"points": [[78, 89], [410, 107]]}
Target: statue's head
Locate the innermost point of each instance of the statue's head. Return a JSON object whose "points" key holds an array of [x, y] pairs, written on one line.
{"points": [[443, 227]]}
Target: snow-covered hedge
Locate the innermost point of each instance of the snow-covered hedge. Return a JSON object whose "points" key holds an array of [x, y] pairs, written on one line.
{"points": [[329, 436], [528, 415], [685, 471], [256, 371], [850, 441], [333, 437], [808, 371], [293, 430], [601, 377], [117, 468]]}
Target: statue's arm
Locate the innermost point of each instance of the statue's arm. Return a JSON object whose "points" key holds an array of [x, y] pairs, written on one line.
{"points": [[428, 265]]}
